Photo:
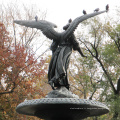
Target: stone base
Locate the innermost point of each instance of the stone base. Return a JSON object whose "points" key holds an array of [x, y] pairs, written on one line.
{"points": [[62, 108], [61, 92]]}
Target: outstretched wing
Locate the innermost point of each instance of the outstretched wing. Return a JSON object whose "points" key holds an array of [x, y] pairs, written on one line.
{"points": [[76, 22], [46, 27]]}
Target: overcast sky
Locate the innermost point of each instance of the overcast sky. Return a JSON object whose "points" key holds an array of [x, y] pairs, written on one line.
{"points": [[59, 11]]}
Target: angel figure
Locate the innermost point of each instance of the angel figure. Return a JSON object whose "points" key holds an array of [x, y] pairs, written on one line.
{"points": [[61, 51], [62, 46]]}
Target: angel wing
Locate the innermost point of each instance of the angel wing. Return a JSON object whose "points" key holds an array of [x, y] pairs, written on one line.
{"points": [[76, 22], [46, 27]]}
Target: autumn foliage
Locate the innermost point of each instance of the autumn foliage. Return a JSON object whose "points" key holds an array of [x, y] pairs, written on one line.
{"points": [[20, 76]]}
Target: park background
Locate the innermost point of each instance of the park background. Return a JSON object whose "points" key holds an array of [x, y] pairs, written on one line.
{"points": [[25, 54]]}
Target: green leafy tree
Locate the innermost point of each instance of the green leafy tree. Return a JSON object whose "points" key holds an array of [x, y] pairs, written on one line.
{"points": [[101, 44]]}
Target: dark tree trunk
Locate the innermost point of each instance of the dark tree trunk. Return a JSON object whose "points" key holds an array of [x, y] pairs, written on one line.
{"points": [[115, 115]]}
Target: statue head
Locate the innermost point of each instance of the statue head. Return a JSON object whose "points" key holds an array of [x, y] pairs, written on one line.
{"points": [[66, 26]]}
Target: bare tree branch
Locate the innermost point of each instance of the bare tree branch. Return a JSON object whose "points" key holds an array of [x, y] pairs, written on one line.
{"points": [[76, 79], [92, 94], [8, 92], [101, 64], [77, 89]]}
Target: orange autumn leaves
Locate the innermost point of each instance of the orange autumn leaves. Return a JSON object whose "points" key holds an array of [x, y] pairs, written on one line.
{"points": [[16, 63]]}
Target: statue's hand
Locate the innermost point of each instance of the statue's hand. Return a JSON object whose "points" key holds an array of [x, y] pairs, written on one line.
{"points": [[84, 56], [81, 53]]}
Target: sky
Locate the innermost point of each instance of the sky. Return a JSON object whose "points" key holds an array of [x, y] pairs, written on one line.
{"points": [[59, 11]]}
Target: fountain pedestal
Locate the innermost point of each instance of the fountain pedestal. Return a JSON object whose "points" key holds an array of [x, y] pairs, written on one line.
{"points": [[62, 108]]}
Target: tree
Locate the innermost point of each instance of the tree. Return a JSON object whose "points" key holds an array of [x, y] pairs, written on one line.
{"points": [[19, 73], [30, 38], [22, 71], [102, 48], [82, 73]]}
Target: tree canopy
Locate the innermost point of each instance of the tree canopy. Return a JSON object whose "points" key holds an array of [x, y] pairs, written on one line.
{"points": [[97, 76]]}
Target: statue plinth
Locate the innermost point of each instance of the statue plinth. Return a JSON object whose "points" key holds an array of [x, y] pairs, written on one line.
{"points": [[61, 92], [57, 108]]}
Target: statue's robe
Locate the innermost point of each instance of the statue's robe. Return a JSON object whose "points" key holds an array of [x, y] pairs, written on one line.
{"points": [[61, 51]]}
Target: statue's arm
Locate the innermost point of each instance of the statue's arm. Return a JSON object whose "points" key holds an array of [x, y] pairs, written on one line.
{"points": [[81, 53], [76, 45]]}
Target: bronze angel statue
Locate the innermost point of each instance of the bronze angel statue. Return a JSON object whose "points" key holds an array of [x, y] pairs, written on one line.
{"points": [[61, 47]]}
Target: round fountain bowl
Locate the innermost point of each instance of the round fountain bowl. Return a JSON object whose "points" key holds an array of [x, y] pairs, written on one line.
{"points": [[62, 108]]}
